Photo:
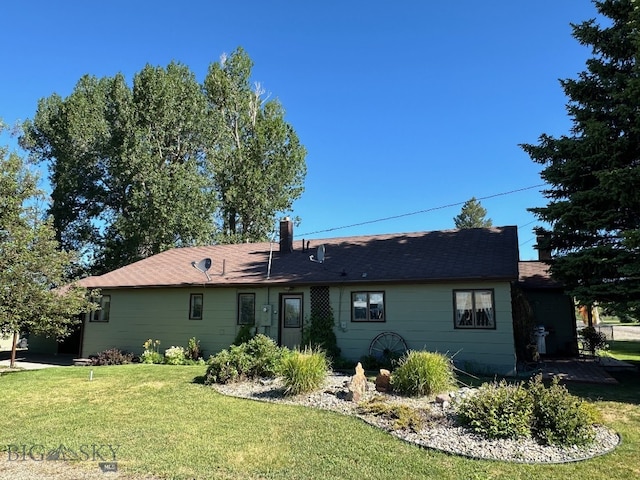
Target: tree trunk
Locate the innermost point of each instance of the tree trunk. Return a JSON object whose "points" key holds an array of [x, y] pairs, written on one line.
{"points": [[14, 345]]}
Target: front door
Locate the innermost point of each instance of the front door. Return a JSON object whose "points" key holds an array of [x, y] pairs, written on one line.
{"points": [[291, 320]]}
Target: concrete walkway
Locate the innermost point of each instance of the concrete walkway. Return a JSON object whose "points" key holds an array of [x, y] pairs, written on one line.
{"points": [[33, 361]]}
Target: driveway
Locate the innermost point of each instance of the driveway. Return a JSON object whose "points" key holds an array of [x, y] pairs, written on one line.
{"points": [[34, 361]]}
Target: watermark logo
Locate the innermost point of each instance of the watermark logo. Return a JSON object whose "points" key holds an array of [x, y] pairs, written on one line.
{"points": [[104, 454]]}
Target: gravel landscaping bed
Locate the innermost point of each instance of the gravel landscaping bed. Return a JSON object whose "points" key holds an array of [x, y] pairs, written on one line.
{"points": [[441, 431]]}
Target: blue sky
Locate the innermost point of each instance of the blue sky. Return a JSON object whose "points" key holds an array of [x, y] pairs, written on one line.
{"points": [[403, 106]]}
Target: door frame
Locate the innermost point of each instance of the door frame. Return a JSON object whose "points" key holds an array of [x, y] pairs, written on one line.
{"points": [[282, 310]]}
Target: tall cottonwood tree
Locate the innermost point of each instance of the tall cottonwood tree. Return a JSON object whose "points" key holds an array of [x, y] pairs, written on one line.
{"points": [[594, 172], [32, 268], [137, 170], [257, 159], [472, 215]]}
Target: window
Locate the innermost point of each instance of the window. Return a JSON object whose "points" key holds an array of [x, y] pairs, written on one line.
{"points": [[246, 309], [367, 307], [292, 311], [474, 309], [195, 306], [102, 315]]}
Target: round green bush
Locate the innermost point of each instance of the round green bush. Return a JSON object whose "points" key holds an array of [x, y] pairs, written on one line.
{"points": [[423, 373], [498, 410], [258, 357], [560, 418]]}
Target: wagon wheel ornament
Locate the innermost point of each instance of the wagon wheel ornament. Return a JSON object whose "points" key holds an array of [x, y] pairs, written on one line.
{"points": [[388, 346]]}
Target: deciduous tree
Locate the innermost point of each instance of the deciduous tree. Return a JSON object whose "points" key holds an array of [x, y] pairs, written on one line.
{"points": [[258, 161], [593, 173], [167, 162], [34, 297]]}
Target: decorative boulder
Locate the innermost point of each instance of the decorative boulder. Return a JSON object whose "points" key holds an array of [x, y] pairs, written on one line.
{"points": [[383, 381], [357, 385]]}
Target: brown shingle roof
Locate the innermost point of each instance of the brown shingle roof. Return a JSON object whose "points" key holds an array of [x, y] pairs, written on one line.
{"points": [[469, 254], [535, 274]]}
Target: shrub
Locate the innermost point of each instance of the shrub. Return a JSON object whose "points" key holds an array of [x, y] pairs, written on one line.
{"points": [[593, 339], [226, 366], [112, 356], [423, 373], [552, 415], [259, 357], [265, 356], [193, 350], [174, 356], [244, 335], [318, 333], [560, 418], [498, 410], [304, 371]]}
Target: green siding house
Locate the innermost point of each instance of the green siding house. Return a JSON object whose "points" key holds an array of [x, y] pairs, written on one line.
{"points": [[446, 291]]}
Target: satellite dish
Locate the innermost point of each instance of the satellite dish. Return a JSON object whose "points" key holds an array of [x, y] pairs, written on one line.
{"points": [[203, 265], [319, 258]]}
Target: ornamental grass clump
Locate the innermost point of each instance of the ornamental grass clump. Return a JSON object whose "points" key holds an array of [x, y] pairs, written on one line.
{"points": [[423, 373], [304, 371]]}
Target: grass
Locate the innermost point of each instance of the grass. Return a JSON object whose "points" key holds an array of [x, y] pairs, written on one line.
{"points": [[168, 424], [627, 350]]}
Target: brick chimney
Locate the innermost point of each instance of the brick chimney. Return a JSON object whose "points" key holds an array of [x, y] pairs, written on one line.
{"points": [[286, 235], [542, 245]]}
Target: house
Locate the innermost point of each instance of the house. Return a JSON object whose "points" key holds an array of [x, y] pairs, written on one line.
{"points": [[551, 307], [447, 291]]}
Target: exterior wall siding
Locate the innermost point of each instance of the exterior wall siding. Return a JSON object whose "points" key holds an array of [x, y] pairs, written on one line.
{"points": [[163, 314], [422, 314]]}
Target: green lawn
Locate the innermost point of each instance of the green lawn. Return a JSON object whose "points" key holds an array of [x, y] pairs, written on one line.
{"points": [[627, 350], [168, 425]]}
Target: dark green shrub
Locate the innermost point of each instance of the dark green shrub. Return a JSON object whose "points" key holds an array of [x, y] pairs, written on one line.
{"points": [[498, 410], [258, 357], [318, 333], [304, 371], [193, 350], [423, 373], [245, 334], [112, 356], [593, 339], [560, 418], [265, 356], [227, 366]]}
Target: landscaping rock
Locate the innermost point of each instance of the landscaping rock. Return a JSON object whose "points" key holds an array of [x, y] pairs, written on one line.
{"points": [[383, 381], [357, 385]]}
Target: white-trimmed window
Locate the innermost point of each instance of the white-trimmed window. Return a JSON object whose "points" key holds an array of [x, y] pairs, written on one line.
{"points": [[474, 309], [246, 309], [367, 307], [196, 303], [102, 315]]}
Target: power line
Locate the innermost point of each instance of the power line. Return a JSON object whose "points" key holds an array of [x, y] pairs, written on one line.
{"points": [[422, 211]]}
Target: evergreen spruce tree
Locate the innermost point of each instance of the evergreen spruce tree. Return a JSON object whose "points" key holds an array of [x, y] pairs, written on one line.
{"points": [[593, 173], [472, 215]]}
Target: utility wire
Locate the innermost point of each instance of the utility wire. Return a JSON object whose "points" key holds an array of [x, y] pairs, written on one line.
{"points": [[422, 211]]}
